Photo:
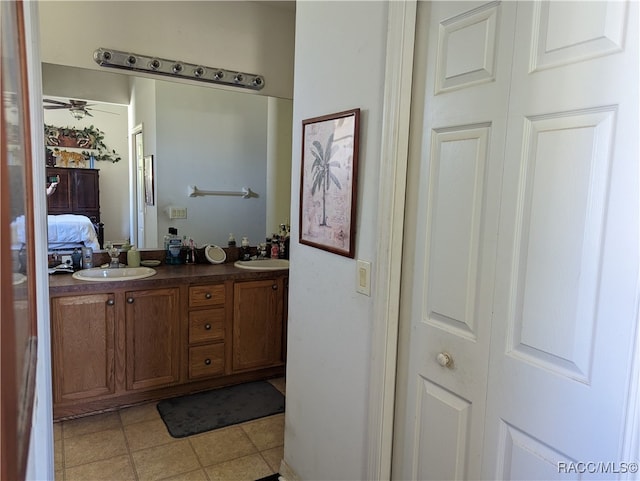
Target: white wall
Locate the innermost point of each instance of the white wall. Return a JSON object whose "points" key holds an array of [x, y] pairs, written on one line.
{"points": [[339, 65], [279, 138], [216, 140], [247, 36]]}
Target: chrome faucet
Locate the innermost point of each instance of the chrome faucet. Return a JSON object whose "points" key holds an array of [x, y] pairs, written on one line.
{"points": [[114, 253]]}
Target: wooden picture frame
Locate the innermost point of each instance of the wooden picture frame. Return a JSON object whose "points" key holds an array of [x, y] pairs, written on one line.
{"points": [[328, 182], [149, 198]]}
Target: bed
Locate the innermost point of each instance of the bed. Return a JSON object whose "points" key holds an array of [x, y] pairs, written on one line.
{"points": [[65, 231]]}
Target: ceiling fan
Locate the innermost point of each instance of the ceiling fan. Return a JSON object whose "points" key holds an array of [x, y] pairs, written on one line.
{"points": [[77, 108]]}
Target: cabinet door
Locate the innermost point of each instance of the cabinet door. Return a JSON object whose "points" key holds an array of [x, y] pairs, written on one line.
{"points": [[87, 190], [60, 201], [83, 346], [257, 323], [153, 338]]}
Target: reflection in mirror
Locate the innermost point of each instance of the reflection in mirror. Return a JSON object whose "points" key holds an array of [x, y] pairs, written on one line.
{"points": [[214, 138]]}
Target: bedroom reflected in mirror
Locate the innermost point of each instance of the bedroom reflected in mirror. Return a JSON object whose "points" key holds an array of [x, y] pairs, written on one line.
{"points": [[74, 208]]}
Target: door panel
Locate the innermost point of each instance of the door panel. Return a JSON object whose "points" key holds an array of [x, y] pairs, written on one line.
{"points": [[454, 212], [442, 456], [558, 242], [567, 262]]}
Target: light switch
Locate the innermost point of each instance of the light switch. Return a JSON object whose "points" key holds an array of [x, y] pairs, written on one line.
{"points": [[363, 277]]}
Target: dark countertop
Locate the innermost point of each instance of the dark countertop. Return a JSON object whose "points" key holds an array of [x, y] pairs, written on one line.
{"points": [[64, 283]]}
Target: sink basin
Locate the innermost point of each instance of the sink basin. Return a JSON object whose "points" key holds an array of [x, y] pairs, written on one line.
{"points": [[263, 264], [108, 275]]}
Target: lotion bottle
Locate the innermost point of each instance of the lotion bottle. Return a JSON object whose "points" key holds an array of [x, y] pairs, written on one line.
{"points": [[133, 257]]}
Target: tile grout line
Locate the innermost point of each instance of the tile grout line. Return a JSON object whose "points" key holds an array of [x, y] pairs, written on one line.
{"points": [[129, 453], [202, 467]]}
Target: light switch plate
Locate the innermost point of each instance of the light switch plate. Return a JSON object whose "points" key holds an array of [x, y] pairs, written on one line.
{"points": [[177, 212], [363, 277]]}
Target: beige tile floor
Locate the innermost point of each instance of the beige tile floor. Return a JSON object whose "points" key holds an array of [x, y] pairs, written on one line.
{"points": [[133, 444]]}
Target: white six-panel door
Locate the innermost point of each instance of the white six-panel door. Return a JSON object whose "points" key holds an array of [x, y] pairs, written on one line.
{"points": [[567, 264], [459, 123], [521, 262]]}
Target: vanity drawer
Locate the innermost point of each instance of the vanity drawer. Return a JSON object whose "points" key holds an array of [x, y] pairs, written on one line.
{"points": [[202, 296], [205, 361], [206, 325]]}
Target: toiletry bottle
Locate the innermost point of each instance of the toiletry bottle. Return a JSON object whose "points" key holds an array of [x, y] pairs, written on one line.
{"points": [[76, 259], [245, 252], [87, 257], [173, 247], [133, 257], [191, 252], [275, 246], [287, 242]]}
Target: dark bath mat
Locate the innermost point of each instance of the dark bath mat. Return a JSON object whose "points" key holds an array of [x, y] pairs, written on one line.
{"points": [[204, 411]]}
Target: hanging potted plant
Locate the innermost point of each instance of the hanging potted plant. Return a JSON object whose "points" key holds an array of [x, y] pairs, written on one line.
{"points": [[86, 138]]}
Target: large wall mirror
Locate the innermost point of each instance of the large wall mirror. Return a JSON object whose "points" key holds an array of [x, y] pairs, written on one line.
{"points": [[217, 139]]}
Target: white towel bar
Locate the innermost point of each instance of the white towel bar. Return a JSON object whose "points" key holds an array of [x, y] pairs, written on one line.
{"points": [[245, 193]]}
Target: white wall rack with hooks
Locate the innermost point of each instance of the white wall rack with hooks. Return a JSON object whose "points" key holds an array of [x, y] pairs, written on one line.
{"points": [[245, 193]]}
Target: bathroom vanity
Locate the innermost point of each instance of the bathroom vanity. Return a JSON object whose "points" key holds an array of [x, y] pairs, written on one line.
{"points": [[186, 329]]}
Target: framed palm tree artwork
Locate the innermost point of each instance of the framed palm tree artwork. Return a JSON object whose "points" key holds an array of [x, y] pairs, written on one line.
{"points": [[328, 182]]}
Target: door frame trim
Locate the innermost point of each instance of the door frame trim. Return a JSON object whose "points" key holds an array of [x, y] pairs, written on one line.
{"points": [[401, 25]]}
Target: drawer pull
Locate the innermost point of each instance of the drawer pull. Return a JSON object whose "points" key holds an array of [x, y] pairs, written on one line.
{"points": [[207, 327], [207, 295], [110, 302], [207, 361], [130, 300], [274, 287]]}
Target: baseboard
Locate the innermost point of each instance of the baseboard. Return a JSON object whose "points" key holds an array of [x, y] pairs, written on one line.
{"points": [[286, 473]]}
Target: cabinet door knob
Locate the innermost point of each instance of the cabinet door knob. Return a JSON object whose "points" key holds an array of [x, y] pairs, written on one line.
{"points": [[207, 361], [207, 327], [445, 359], [130, 300], [274, 287], [207, 295], [110, 302]]}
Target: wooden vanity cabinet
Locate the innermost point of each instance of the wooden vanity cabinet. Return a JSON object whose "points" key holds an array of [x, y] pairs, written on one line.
{"points": [[258, 311], [208, 321], [122, 346], [83, 338], [152, 324]]}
